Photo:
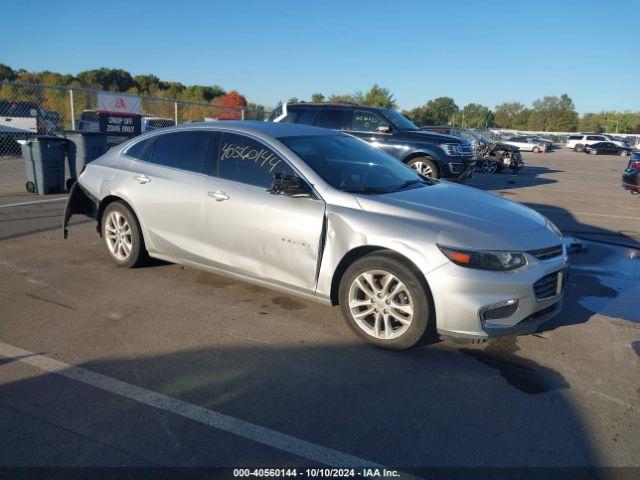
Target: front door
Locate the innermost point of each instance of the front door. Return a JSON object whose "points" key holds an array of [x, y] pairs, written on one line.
{"points": [[253, 232], [365, 125]]}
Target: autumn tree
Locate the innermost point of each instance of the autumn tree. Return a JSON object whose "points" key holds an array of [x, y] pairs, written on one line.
{"points": [[231, 104], [378, 96]]}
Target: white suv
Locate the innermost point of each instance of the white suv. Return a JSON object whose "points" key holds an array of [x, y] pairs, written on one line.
{"points": [[578, 142]]}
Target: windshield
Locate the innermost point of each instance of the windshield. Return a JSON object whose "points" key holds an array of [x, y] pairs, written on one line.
{"points": [[399, 121], [349, 164]]}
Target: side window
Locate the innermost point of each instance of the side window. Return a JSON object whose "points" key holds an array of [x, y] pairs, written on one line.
{"points": [[595, 137], [337, 119], [141, 150], [365, 121], [183, 150], [575, 137], [308, 116], [245, 160]]}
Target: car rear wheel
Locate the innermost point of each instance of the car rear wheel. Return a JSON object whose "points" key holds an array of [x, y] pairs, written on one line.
{"points": [[623, 153], [384, 302], [593, 151], [578, 148], [122, 236], [536, 150], [424, 166]]}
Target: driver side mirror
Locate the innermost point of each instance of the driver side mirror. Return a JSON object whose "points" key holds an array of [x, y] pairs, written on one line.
{"points": [[289, 185], [383, 128]]}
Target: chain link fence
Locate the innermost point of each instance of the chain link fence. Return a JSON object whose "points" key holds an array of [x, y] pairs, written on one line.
{"points": [[27, 110]]}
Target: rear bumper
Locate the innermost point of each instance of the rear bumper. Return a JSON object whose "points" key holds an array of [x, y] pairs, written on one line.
{"points": [[79, 201]]}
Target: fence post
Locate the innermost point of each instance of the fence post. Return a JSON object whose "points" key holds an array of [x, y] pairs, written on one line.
{"points": [[242, 113], [175, 112], [73, 115]]}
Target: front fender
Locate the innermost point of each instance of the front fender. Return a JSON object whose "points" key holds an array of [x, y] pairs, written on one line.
{"points": [[427, 152]]}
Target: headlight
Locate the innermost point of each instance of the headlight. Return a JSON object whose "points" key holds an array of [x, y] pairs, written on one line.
{"points": [[484, 259], [555, 228], [451, 148]]}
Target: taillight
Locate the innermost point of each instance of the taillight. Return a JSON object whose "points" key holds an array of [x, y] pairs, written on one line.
{"points": [[633, 165]]}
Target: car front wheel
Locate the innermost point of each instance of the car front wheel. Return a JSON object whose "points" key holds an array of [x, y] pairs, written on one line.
{"points": [[122, 236], [384, 302], [424, 166]]}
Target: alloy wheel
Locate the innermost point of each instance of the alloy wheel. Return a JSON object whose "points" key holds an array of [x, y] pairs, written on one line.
{"points": [[380, 304], [423, 169], [118, 235], [488, 166]]}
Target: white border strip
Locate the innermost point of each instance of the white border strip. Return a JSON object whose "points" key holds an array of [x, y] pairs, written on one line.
{"points": [[35, 202], [250, 431]]}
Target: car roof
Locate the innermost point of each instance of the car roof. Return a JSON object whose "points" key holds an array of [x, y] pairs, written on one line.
{"points": [[332, 105], [272, 129]]}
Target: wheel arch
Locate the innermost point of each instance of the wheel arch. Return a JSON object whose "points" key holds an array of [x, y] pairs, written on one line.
{"points": [[426, 154], [108, 200], [362, 251]]}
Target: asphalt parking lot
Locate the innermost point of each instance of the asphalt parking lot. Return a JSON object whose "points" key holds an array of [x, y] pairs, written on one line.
{"points": [[170, 367]]}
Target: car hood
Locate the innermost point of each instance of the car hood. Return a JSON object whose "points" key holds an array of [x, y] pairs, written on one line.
{"points": [[466, 217]]}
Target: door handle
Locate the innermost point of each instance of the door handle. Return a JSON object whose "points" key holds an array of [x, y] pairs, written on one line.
{"points": [[141, 179], [218, 195]]}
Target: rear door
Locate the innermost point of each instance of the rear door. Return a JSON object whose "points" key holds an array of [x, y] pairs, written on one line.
{"points": [[166, 185], [253, 232]]}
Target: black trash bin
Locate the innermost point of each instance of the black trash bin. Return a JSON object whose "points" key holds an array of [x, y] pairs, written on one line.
{"points": [[44, 161], [82, 148]]}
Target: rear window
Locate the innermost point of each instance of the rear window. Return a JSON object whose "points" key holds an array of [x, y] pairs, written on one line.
{"points": [[141, 150], [599, 138], [183, 150]]}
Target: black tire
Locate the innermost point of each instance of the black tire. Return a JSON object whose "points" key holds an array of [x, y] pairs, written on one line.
{"points": [[578, 148], [138, 254], [489, 165], [593, 151], [426, 163], [624, 153], [423, 319], [30, 186]]}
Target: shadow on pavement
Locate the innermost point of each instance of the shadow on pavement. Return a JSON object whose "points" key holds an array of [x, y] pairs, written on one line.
{"points": [[425, 407]]}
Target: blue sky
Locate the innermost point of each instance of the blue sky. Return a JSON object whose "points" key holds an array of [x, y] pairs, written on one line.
{"points": [[484, 51]]}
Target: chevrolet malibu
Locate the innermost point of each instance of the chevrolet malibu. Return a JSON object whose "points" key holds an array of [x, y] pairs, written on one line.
{"points": [[323, 215]]}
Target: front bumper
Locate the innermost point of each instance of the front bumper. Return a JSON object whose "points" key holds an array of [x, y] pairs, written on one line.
{"points": [[459, 168], [461, 296]]}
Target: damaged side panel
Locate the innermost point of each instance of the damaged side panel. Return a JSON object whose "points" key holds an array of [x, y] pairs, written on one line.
{"points": [[80, 201]]}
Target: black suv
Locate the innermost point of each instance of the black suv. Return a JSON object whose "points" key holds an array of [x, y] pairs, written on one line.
{"points": [[431, 154]]}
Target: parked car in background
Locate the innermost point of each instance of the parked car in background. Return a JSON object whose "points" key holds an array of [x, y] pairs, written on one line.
{"points": [[631, 174], [607, 148], [149, 124], [547, 142], [323, 215], [431, 154], [491, 156], [526, 144], [578, 141], [19, 120]]}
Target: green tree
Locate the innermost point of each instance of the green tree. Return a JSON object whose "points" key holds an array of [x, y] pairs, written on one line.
{"points": [[7, 73], [356, 98], [378, 96], [439, 111], [507, 113], [293, 100], [317, 97], [107, 79], [475, 115], [555, 114]]}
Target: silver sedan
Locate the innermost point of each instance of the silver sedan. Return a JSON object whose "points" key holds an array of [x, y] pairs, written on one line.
{"points": [[323, 215]]}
